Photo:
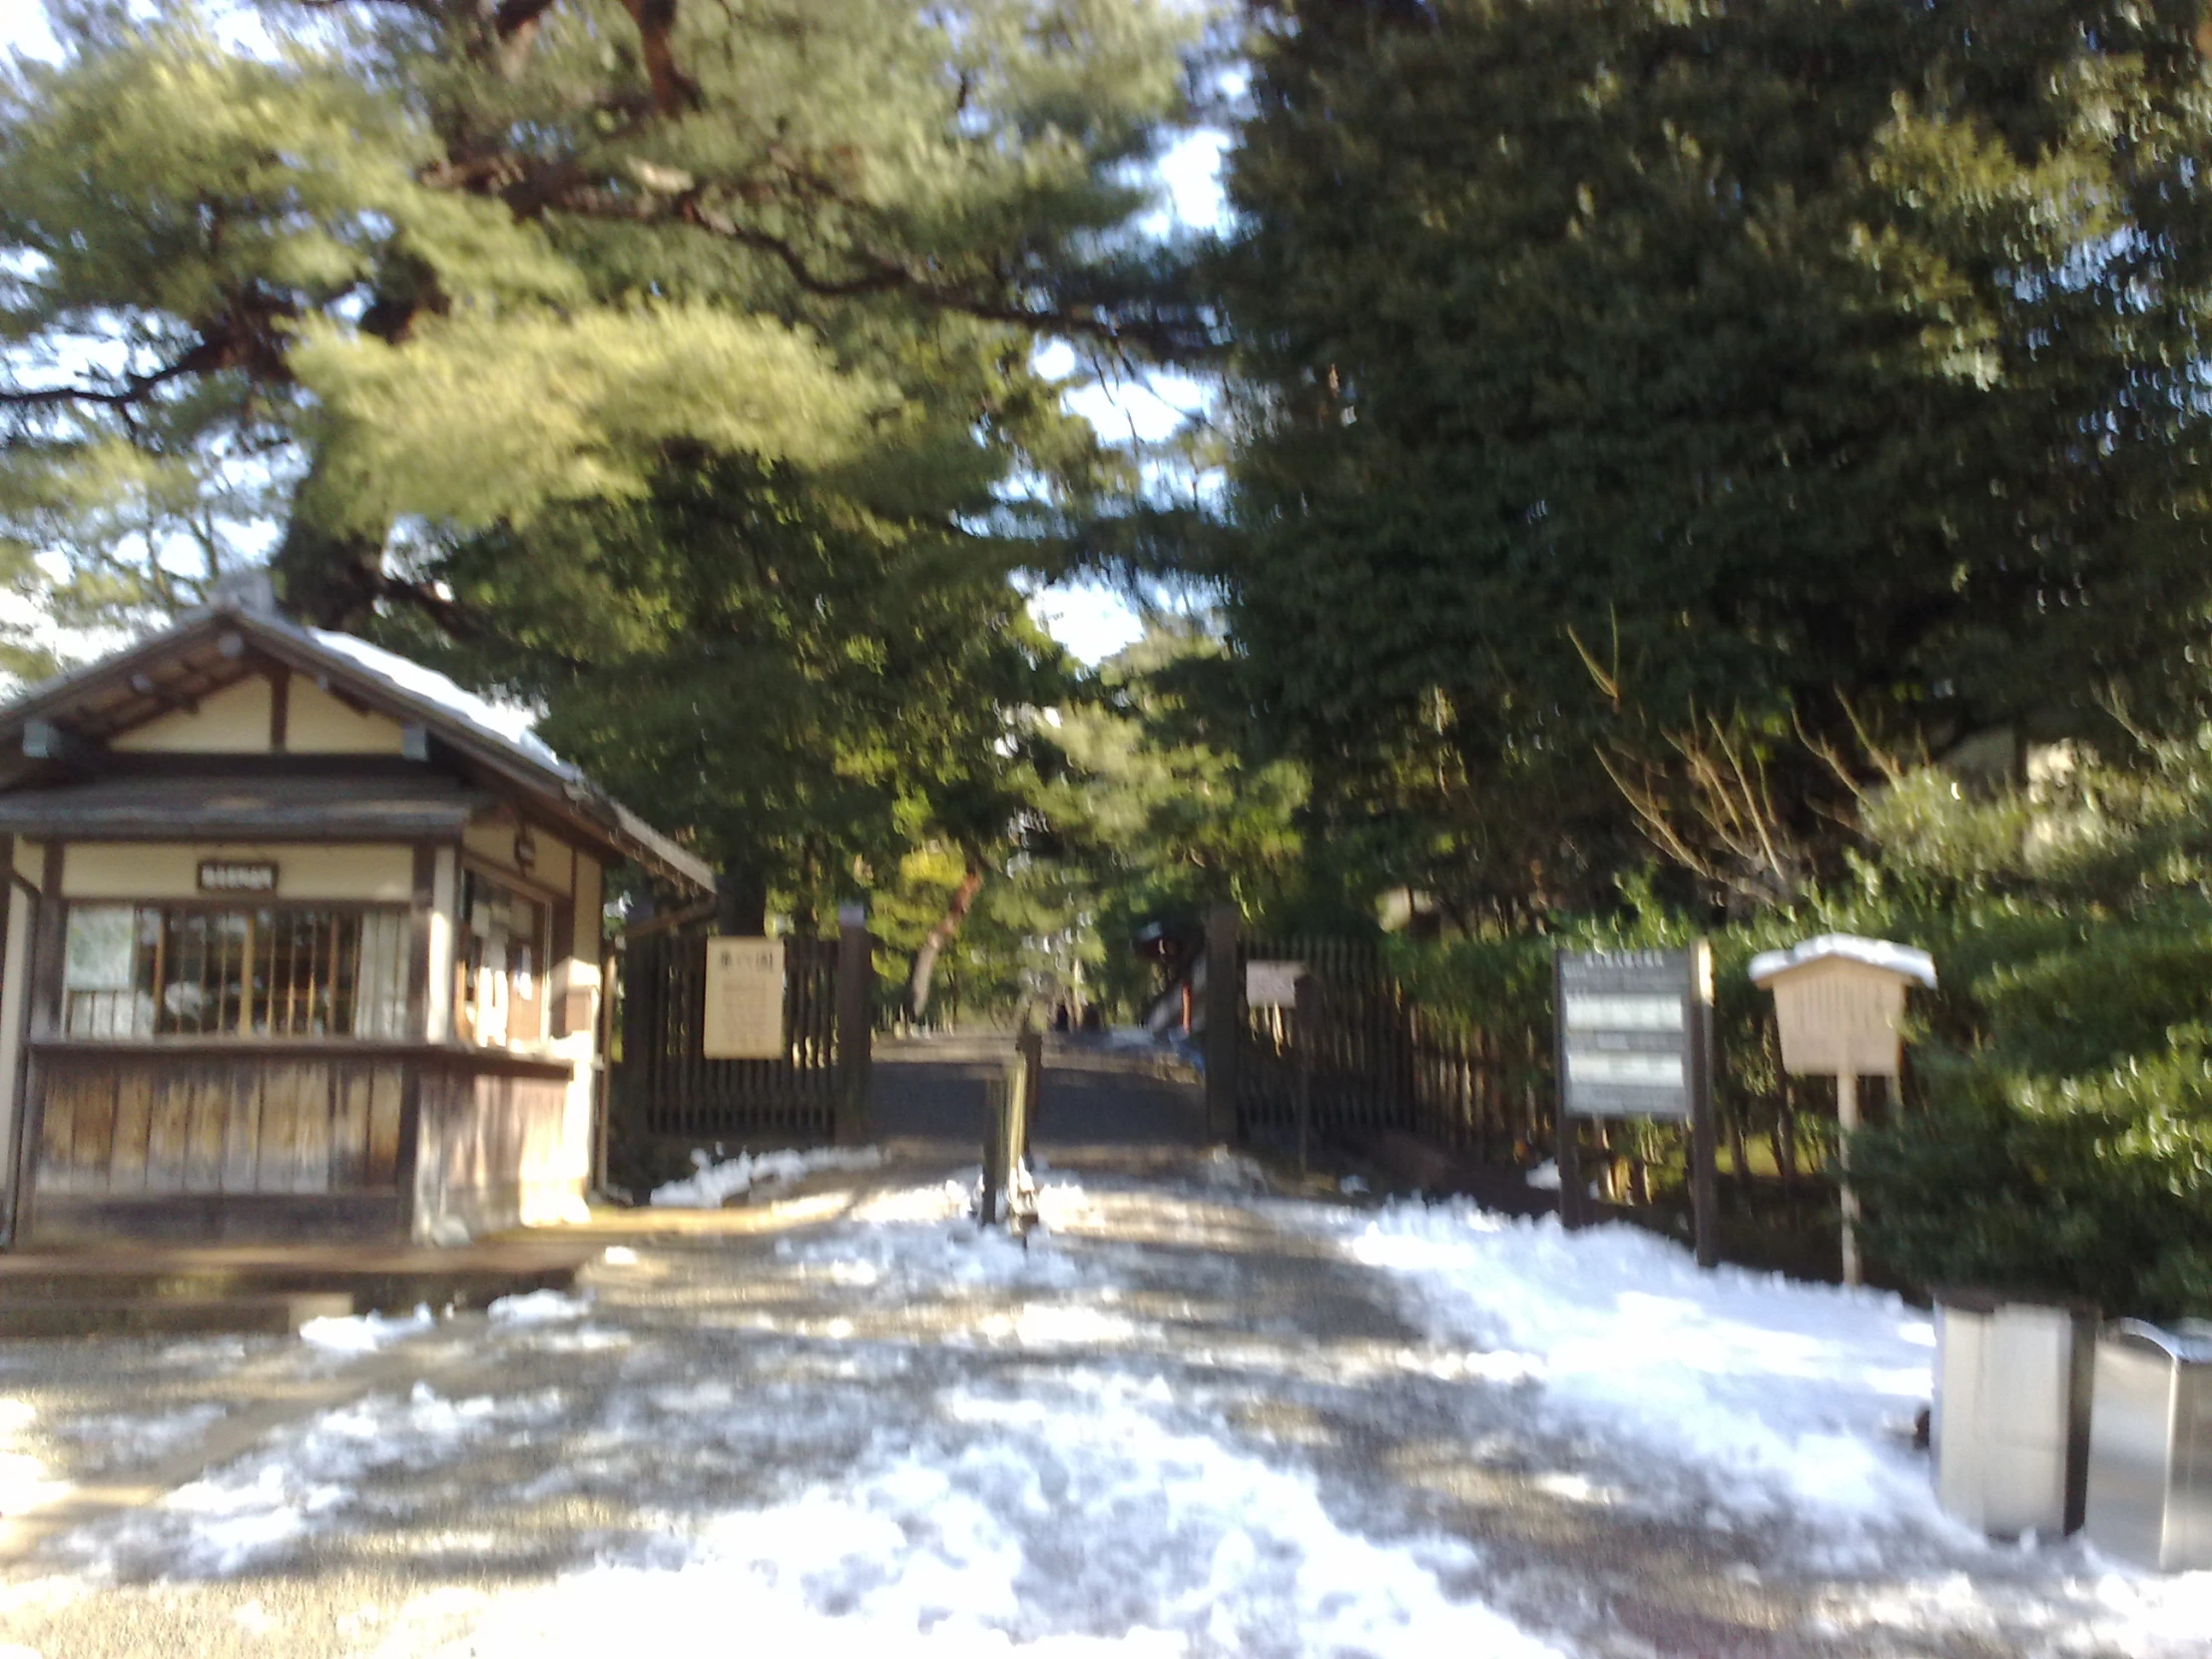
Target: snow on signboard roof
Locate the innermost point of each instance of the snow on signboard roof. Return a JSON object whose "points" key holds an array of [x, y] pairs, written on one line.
{"points": [[1900, 959]]}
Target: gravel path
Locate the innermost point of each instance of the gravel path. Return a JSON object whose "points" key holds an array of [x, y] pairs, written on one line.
{"points": [[1172, 1418]]}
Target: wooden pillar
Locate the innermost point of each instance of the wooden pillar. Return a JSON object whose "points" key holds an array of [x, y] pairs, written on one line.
{"points": [[1225, 1014], [1308, 1007], [1847, 1125], [1704, 1143], [855, 1024], [1573, 1201]]}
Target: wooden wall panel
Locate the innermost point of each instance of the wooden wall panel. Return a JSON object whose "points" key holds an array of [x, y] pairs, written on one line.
{"points": [[92, 1141], [242, 1134], [171, 1130], [280, 1136], [57, 1126], [133, 1116], [386, 1096], [311, 1158], [210, 1111], [349, 1128]]}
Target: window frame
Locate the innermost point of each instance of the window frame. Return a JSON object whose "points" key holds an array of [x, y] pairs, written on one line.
{"points": [[240, 1033], [489, 872]]}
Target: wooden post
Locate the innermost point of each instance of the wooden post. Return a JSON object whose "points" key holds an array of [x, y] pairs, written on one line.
{"points": [[990, 1207], [1024, 1114], [855, 1024], [1573, 1210], [1224, 1019], [1846, 1124], [1704, 1150], [1308, 991]]}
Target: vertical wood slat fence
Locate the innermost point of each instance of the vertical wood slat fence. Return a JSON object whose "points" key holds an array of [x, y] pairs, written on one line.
{"points": [[1380, 1064], [664, 1088]]}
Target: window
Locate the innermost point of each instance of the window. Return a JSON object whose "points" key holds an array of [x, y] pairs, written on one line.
{"points": [[273, 971], [501, 993]]}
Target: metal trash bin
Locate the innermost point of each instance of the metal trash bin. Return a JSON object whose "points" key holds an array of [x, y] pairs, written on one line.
{"points": [[2011, 1425], [2150, 1445]]}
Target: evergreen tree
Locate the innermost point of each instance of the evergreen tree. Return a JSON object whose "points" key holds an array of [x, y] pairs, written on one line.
{"points": [[665, 364], [1618, 369], [447, 262]]}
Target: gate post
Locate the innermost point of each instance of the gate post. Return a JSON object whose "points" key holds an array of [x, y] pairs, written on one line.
{"points": [[1225, 1018], [855, 1023]]}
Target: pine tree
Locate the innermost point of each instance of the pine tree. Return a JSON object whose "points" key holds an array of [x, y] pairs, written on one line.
{"points": [[447, 262]]}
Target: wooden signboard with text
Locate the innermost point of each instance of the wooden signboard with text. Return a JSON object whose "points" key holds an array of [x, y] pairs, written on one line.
{"points": [[1635, 1032], [744, 1015]]}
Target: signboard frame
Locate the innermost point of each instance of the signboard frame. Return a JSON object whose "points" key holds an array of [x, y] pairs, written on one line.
{"points": [[1637, 985], [744, 1010]]}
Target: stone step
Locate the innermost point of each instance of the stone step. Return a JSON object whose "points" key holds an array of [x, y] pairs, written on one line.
{"points": [[171, 1316]]}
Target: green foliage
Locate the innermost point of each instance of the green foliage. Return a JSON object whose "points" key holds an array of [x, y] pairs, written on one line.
{"points": [[380, 271], [1164, 809], [1612, 367]]}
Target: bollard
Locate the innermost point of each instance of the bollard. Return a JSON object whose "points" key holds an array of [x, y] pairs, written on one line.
{"points": [[1010, 1102]]}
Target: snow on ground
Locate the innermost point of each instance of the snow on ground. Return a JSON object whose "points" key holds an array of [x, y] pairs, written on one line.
{"points": [[24, 1479], [1053, 1526], [1780, 1402], [716, 1184], [261, 1507], [899, 1433], [363, 1333]]}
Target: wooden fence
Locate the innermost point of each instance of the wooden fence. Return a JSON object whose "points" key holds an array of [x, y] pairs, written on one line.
{"points": [[1484, 1090], [665, 1089], [1378, 1064]]}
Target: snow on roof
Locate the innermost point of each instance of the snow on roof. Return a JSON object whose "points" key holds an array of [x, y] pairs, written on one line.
{"points": [[501, 721], [1881, 953]]}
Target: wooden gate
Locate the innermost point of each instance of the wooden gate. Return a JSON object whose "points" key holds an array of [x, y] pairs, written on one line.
{"points": [[665, 1090], [1373, 1061]]}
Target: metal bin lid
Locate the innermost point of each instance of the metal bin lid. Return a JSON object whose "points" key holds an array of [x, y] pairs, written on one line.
{"points": [[2189, 1344]]}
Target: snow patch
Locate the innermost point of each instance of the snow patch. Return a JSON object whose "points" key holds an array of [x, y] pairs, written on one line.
{"points": [[1777, 1399], [261, 1505], [539, 1308], [1085, 1526], [716, 1184], [24, 1479], [365, 1333]]}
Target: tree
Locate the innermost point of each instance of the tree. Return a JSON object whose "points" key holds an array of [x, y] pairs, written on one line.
{"points": [[445, 263], [1620, 378], [667, 365]]}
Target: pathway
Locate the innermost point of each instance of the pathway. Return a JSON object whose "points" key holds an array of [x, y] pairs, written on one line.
{"points": [[839, 1418]]}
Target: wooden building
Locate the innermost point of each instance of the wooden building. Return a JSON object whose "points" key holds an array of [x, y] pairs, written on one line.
{"points": [[300, 941]]}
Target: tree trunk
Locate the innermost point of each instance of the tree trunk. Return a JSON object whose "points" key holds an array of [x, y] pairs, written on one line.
{"points": [[740, 902], [925, 959], [327, 576]]}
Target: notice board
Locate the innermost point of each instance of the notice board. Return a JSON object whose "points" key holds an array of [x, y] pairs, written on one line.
{"points": [[744, 1016], [1627, 1028]]}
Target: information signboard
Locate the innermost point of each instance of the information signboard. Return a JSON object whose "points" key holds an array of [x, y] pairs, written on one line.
{"points": [[744, 1016], [1636, 1040], [1625, 1032]]}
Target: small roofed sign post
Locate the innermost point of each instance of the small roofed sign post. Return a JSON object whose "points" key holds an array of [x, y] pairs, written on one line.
{"points": [[744, 1015], [1636, 1040], [1840, 1003]]}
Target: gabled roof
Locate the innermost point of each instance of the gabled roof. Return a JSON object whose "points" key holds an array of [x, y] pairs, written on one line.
{"points": [[215, 647], [1903, 960]]}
